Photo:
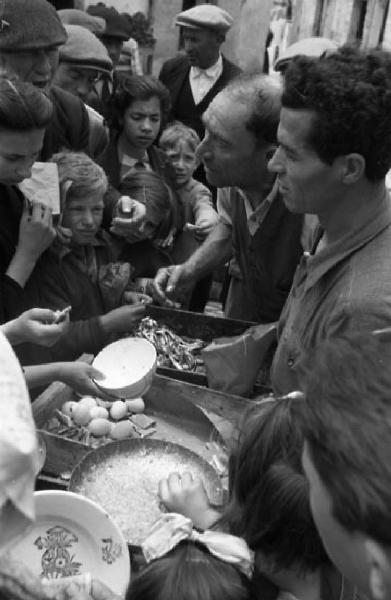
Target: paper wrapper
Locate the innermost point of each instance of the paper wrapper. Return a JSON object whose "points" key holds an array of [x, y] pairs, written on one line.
{"points": [[43, 186], [19, 456], [232, 364]]}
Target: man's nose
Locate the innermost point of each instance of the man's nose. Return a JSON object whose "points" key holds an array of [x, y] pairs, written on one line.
{"points": [[275, 164], [83, 89], [42, 62]]}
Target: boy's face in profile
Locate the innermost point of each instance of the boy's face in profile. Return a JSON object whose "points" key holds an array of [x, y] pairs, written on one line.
{"points": [[83, 216], [183, 160]]}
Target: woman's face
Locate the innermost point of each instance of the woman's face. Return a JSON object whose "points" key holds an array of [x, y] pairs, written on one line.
{"points": [[141, 122], [18, 152]]}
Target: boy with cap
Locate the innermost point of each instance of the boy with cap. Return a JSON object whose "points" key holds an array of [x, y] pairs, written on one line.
{"points": [[83, 61], [30, 36]]}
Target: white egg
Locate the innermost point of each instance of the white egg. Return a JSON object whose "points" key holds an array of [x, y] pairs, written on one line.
{"points": [[99, 427], [122, 430], [98, 412], [118, 410], [87, 401], [135, 406], [68, 407], [81, 414]]}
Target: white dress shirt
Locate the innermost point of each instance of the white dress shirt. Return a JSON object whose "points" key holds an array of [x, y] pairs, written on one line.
{"points": [[202, 80]]}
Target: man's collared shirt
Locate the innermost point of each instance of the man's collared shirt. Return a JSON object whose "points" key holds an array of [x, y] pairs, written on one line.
{"points": [[129, 165], [202, 80], [255, 218], [345, 286]]}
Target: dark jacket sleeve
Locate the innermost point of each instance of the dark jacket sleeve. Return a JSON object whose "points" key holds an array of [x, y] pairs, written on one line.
{"points": [[49, 288], [69, 128]]}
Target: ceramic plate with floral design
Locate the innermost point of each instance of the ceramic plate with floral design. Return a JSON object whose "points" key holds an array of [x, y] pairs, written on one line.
{"points": [[73, 535]]}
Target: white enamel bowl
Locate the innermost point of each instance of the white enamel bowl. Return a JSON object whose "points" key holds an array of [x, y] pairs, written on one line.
{"points": [[73, 535], [128, 366]]}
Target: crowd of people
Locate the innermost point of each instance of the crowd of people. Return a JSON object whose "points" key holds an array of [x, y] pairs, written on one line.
{"points": [[160, 182]]}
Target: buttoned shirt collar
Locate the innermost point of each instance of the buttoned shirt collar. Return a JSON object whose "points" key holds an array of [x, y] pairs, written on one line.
{"points": [[328, 257], [256, 217], [202, 80]]}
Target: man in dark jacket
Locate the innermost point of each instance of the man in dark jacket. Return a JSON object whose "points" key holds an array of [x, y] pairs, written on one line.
{"points": [[30, 36], [196, 77]]}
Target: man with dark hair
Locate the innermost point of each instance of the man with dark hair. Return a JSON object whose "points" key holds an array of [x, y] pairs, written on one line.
{"points": [[347, 456], [30, 36], [254, 225], [334, 152]]}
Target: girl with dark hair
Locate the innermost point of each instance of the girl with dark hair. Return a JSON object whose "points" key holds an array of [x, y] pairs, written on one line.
{"points": [[139, 108], [268, 505], [184, 564]]}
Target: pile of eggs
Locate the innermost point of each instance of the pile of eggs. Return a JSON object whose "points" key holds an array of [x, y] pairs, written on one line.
{"points": [[110, 420]]}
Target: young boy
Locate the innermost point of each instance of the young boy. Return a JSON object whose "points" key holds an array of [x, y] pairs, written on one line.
{"points": [[197, 216], [87, 274], [197, 213]]}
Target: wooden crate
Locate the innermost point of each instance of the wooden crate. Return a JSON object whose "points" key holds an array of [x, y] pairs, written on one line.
{"points": [[63, 454]]}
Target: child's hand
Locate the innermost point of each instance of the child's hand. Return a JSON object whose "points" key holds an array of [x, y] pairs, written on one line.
{"points": [[38, 326], [200, 231], [167, 242], [186, 495]]}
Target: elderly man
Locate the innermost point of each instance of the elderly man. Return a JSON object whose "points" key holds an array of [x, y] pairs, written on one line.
{"points": [[254, 225], [30, 36], [83, 61], [330, 163]]}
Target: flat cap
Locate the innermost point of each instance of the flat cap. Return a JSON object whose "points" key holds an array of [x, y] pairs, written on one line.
{"points": [[313, 46], [73, 16], [116, 25], [205, 16], [83, 48], [29, 25]]}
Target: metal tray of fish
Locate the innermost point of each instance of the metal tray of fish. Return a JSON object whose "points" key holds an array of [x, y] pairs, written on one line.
{"points": [[123, 478], [179, 336]]}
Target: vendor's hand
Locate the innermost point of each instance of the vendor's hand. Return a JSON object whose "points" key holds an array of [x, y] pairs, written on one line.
{"points": [[121, 320], [37, 325], [36, 231], [186, 495], [79, 375], [167, 282], [129, 215], [136, 298]]}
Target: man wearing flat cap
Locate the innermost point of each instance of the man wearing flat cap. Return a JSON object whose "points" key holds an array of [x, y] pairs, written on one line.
{"points": [[30, 36], [196, 77], [83, 61]]}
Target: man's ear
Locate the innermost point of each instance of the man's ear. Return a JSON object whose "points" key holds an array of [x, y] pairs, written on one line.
{"points": [[379, 570], [353, 167]]}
